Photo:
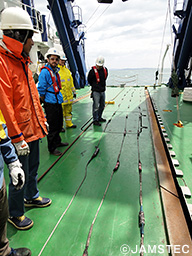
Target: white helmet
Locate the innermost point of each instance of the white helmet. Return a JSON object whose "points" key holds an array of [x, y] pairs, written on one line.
{"points": [[100, 61], [52, 51], [16, 18], [62, 56]]}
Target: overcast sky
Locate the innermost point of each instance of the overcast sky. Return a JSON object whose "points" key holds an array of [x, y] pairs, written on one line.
{"points": [[128, 34]]}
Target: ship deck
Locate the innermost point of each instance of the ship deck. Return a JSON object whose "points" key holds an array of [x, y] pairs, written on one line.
{"points": [[63, 230]]}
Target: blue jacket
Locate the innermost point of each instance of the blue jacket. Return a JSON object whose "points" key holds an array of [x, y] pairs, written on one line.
{"points": [[7, 154], [45, 87]]}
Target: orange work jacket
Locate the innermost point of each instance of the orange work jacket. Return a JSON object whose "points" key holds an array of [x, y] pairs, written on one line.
{"points": [[19, 99]]}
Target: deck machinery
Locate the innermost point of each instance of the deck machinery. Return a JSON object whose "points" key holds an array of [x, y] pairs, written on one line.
{"points": [[182, 51], [68, 21]]}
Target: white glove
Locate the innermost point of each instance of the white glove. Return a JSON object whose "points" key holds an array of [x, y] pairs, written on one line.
{"points": [[22, 148], [47, 126], [17, 174]]}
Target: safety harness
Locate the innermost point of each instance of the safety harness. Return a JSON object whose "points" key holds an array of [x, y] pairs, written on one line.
{"points": [[97, 73], [56, 86]]}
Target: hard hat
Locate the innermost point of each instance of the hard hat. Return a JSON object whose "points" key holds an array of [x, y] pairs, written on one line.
{"points": [[62, 56], [52, 51], [100, 61], [15, 18]]}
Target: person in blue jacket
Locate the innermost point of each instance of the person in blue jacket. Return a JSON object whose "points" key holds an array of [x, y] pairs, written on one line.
{"points": [[17, 176], [49, 87]]}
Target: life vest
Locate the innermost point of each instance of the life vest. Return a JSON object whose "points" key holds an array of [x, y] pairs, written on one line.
{"points": [[56, 86], [97, 73]]}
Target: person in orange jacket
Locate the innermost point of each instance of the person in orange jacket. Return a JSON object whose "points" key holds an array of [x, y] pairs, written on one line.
{"points": [[20, 105]]}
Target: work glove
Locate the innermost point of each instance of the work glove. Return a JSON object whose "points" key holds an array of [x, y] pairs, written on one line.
{"points": [[74, 95], [17, 174], [22, 148]]}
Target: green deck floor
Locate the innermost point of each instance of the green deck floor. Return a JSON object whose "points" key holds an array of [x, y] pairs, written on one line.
{"points": [[117, 222], [180, 138]]}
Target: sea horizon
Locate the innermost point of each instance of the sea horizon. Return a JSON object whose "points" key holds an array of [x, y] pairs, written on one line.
{"points": [[135, 76]]}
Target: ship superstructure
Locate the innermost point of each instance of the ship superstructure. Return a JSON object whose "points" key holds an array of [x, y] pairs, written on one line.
{"points": [[123, 188], [66, 36]]}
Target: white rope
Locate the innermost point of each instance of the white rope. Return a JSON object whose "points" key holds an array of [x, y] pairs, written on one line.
{"points": [[56, 225]]}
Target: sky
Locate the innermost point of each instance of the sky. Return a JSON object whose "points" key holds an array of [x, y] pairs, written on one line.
{"points": [[131, 34]]}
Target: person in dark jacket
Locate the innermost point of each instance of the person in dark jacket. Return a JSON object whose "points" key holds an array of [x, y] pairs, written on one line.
{"points": [[97, 79]]}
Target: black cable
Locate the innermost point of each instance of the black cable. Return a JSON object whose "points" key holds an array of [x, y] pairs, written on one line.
{"points": [[92, 157], [141, 212], [85, 253], [92, 14], [83, 130], [89, 161]]}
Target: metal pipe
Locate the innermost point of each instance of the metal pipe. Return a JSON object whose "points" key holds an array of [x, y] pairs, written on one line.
{"points": [[162, 65]]}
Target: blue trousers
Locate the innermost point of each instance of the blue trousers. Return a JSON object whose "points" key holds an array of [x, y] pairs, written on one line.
{"points": [[29, 191], [98, 104], [4, 242]]}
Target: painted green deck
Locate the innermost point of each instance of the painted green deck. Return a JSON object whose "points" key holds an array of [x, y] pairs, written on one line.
{"points": [[117, 222], [180, 138]]}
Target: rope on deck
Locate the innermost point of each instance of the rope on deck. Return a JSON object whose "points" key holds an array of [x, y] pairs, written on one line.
{"points": [[141, 212], [86, 167], [85, 253], [83, 130]]}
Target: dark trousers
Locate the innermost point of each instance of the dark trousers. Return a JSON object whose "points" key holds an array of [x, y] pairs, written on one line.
{"points": [[98, 104], [54, 115], [4, 242], [30, 164]]}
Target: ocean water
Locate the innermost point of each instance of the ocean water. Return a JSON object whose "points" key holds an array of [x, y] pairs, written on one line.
{"points": [[133, 77]]}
